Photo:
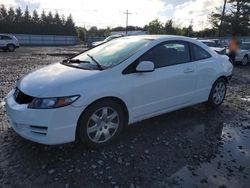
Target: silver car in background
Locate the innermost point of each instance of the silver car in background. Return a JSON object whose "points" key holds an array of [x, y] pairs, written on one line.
{"points": [[213, 45], [243, 53], [8, 42]]}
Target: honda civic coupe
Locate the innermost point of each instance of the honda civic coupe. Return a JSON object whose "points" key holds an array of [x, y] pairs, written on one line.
{"points": [[94, 95]]}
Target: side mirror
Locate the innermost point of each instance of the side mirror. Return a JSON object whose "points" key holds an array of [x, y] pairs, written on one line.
{"points": [[145, 66]]}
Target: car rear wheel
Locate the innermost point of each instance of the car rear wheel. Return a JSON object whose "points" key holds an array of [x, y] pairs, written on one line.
{"points": [[10, 47], [244, 60], [217, 93], [101, 123]]}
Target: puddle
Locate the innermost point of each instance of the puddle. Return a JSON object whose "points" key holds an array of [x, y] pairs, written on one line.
{"points": [[2, 103], [230, 167], [246, 98]]}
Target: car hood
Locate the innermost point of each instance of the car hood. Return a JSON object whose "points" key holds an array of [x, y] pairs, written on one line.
{"points": [[54, 80]]}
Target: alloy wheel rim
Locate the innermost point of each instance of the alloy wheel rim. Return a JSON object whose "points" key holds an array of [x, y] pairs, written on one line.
{"points": [[102, 124], [245, 61], [11, 48], [219, 93]]}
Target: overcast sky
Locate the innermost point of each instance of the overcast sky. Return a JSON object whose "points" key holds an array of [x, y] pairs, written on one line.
{"points": [[103, 13]]}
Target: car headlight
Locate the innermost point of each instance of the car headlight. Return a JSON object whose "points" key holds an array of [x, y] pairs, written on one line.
{"points": [[55, 102]]}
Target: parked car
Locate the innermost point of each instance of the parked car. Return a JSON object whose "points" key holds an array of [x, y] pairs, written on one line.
{"points": [[219, 50], [94, 95], [220, 42], [243, 54], [8, 42], [213, 45], [209, 43], [106, 40]]}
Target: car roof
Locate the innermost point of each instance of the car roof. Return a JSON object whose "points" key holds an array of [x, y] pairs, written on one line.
{"points": [[245, 42], [115, 35], [3, 34], [162, 38], [158, 37]]}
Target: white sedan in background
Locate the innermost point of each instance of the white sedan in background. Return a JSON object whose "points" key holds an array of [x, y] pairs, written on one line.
{"points": [[212, 44], [94, 95], [8, 42]]}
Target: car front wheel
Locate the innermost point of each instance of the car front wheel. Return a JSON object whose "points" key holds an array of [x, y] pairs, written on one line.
{"points": [[217, 93], [10, 47], [245, 60], [101, 123]]}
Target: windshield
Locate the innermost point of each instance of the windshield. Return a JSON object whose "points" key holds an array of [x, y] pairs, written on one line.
{"points": [[245, 46], [111, 53]]}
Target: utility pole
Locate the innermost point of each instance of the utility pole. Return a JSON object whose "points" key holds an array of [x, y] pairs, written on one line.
{"points": [[127, 13], [190, 27], [222, 17]]}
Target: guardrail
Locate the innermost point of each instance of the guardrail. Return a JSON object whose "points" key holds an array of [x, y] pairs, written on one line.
{"points": [[46, 40]]}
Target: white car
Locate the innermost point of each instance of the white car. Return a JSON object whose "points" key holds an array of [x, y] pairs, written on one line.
{"points": [[8, 42], [94, 95], [212, 44], [243, 54]]}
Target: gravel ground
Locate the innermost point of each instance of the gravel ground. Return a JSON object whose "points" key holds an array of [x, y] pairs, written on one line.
{"points": [[192, 147]]}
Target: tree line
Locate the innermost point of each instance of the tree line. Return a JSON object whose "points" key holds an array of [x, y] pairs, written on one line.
{"points": [[236, 22], [19, 22], [236, 19]]}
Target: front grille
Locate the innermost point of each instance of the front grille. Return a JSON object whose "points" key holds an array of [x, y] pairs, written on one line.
{"points": [[22, 98]]}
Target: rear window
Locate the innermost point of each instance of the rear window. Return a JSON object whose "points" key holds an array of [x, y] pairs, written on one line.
{"points": [[199, 53]]}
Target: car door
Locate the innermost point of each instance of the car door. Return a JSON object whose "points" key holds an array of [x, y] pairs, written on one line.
{"points": [[206, 71], [170, 85], [5, 40], [1, 41]]}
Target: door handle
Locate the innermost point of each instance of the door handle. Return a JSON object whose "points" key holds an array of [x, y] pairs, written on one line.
{"points": [[188, 70]]}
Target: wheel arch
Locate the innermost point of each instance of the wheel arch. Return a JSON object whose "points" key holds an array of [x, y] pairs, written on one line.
{"points": [[223, 77], [11, 44], [115, 99]]}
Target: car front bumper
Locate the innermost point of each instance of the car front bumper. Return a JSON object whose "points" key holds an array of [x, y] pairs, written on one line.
{"points": [[45, 126]]}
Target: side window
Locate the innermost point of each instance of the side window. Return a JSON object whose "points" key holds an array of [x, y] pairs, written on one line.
{"points": [[5, 37], [166, 54], [199, 53]]}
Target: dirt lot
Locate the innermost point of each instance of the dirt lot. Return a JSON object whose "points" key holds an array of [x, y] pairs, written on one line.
{"points": [[193, 147]]}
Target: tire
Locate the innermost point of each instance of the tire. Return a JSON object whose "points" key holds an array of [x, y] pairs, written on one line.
{"points": [[101, 123], [10, 47], [245, 60], [217, 93]]}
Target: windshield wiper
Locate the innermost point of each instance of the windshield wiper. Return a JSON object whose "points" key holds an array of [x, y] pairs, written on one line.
{"points": [[72, 61], [96, 62]]}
